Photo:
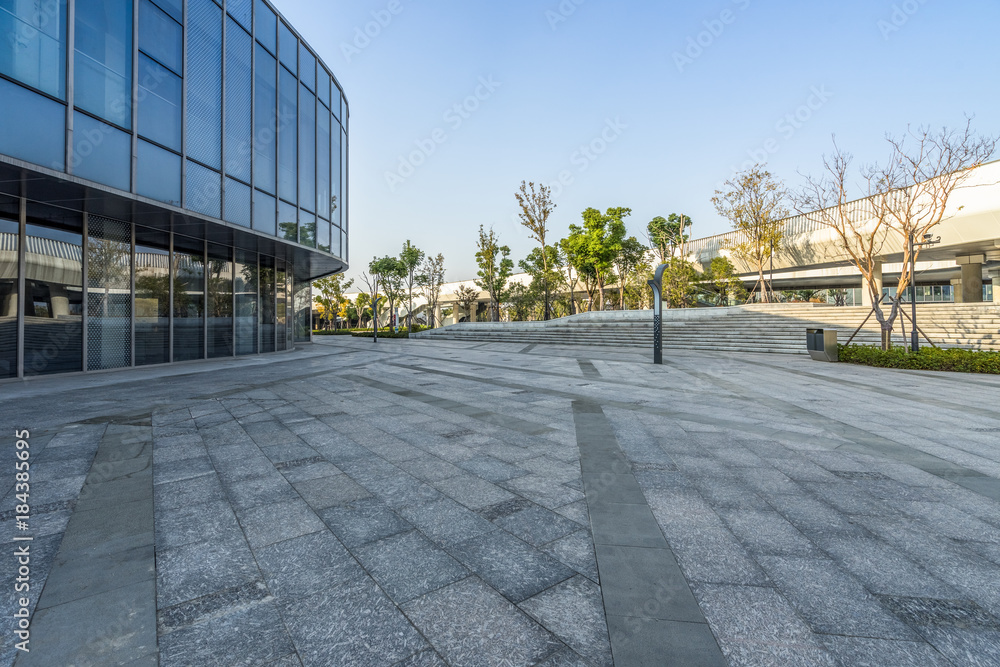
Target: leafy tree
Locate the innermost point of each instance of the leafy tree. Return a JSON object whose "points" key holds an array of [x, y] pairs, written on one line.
{"points": [[754, 202], [597, 243], [906, 196], [541, 264], [725, 282], [679, 283], [522, 300], [330, 295], [362, 304], [430, 280], [536, 207], [631, 253], [495, 269], [467, 298], [391, 272], [409, 263], [666, 234]]}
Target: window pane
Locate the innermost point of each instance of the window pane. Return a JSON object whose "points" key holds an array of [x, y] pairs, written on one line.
{"points": [[281, 310], [344, 203], [264, 214], [240, 10], [335, 165], [33, 127], [8, 297], [307, 149], [267, 313], [288, 227], [158, 174], [323, 164], [103, 63], [101, 152], [159, 104], [307, 229], [152, 297], [239, 51], [335, 102], [323, 236], [160, 36], [246, 302], [173, 7], [188, 276], [34, 46], [53, 304], [220, 301], [264, 129], [288, 47], [237, 203], [287, 139], [204, 98], [265, 24], [302, 300], [307, 67], [323, 86], [109, 293], [335, 243], [204, 190]]}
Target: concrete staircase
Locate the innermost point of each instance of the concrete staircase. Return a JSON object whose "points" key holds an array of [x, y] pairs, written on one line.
{"points": [[778, 328]]}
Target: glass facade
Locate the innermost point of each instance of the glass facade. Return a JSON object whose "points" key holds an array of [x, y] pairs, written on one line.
{"points": [[216, 116]]}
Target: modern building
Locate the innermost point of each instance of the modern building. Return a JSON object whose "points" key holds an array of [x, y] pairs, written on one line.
{"points": [[173, 174]]}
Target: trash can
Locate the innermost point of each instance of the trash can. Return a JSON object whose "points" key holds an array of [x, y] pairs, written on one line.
{"points": [[822, 344]]}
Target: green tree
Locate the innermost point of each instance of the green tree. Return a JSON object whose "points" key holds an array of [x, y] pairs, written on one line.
{"points": [[541, 264], [536, 207], [679, 283], [362, 304], [467, 298], [409, 262], [495, 269], [522, 300], [666, 234], [391, 275], [330, 295], [725, 282], [631, 253], [754, 202], [597, 244], [430, 280]]}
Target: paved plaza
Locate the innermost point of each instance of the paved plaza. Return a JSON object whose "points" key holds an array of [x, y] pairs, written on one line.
{"points": [[441, 503]]}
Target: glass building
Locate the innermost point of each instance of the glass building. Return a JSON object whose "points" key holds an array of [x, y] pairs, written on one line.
{"points": [[173, 174]]}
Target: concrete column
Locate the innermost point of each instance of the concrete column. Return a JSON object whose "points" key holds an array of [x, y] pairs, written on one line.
{"points": [[956, 286], [437, 315], [60, 302], [9, 306], [996, 286], [972, 283], [866, 297]]}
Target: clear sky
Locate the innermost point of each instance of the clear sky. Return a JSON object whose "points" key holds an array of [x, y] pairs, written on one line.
{"points": [[670, 98]]}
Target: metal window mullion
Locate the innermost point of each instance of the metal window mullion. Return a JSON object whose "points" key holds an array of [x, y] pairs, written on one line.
{"points": [[22, 301], [135, 96], [70, 76], [170, 296], [184, 94], [132, 298], [260, 324], [232, 295], [222, 107], [204, 290], [86, 289], [253, 120]]}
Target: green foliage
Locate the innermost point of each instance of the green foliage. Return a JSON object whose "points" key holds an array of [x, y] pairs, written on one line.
{"points": [[409, 261], [724, 282], [666, 235], [495, 269], [536, 207], [596, 245], [927, 359], [679, 283], [333, 332], [330, 295], [430, 280]]}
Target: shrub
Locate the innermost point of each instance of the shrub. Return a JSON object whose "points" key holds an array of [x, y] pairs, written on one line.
{"points": [[332, 332], [381, 334], [927, 359]]}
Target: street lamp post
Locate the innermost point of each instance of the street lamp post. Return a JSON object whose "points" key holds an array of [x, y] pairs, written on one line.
{"points": [[657, 286], [375, 303], [914, 333]]}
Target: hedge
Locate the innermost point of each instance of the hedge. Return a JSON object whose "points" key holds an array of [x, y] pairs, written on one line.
{"points": [[381, 334], [332, 332], [926, 359]]}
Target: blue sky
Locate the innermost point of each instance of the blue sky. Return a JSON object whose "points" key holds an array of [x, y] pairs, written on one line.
{"points": [[671, 98]]}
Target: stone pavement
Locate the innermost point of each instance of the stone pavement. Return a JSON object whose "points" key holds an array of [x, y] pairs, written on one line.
{"points": [[433, 503]]}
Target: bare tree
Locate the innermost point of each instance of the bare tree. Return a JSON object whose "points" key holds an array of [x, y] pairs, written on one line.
{"points": [[754, 201], [431, 278], [536, 207], [907, 196]]}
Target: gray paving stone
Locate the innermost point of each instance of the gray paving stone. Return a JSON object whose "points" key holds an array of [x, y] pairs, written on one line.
{"points": [[575, 511], [305, 565], [363, 521], [574, 612], [767, 533], [626, 525], [350, 624], [512, 567], [195, 570], [537, 525], [863, 652], [473, 492], [445, 521], [491, 469], [648, 583], [325, 492], [407, 566], [251, 635], [645, 641], [268, 524], [188, 524], [541, 490], [193, 491], [463, 620], [976, 648], [576, 551]]}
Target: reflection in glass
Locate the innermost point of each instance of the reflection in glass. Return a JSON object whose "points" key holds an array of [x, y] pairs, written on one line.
{"points": [[288, 227], [152, 297], [246, 302], [101, 153], [8, 298], [267, 313], [336, 248], [303, 310], [204, 83], [307, 149], [335, 180], [33, 127], [160, 36], [264, 216], [238, 204], [307, 67], [159, 103], [239, 80], [265, 25], [220, 301], [53, 304], [158, 174], [288, 91], [109, 294], [323, 164], [204, 190], [103, 63], [240, 10], [323, 236], [281, 309], [288, 47], [323, 86], [307, 229], [265, 138], [188, 273], [34, 51]]}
